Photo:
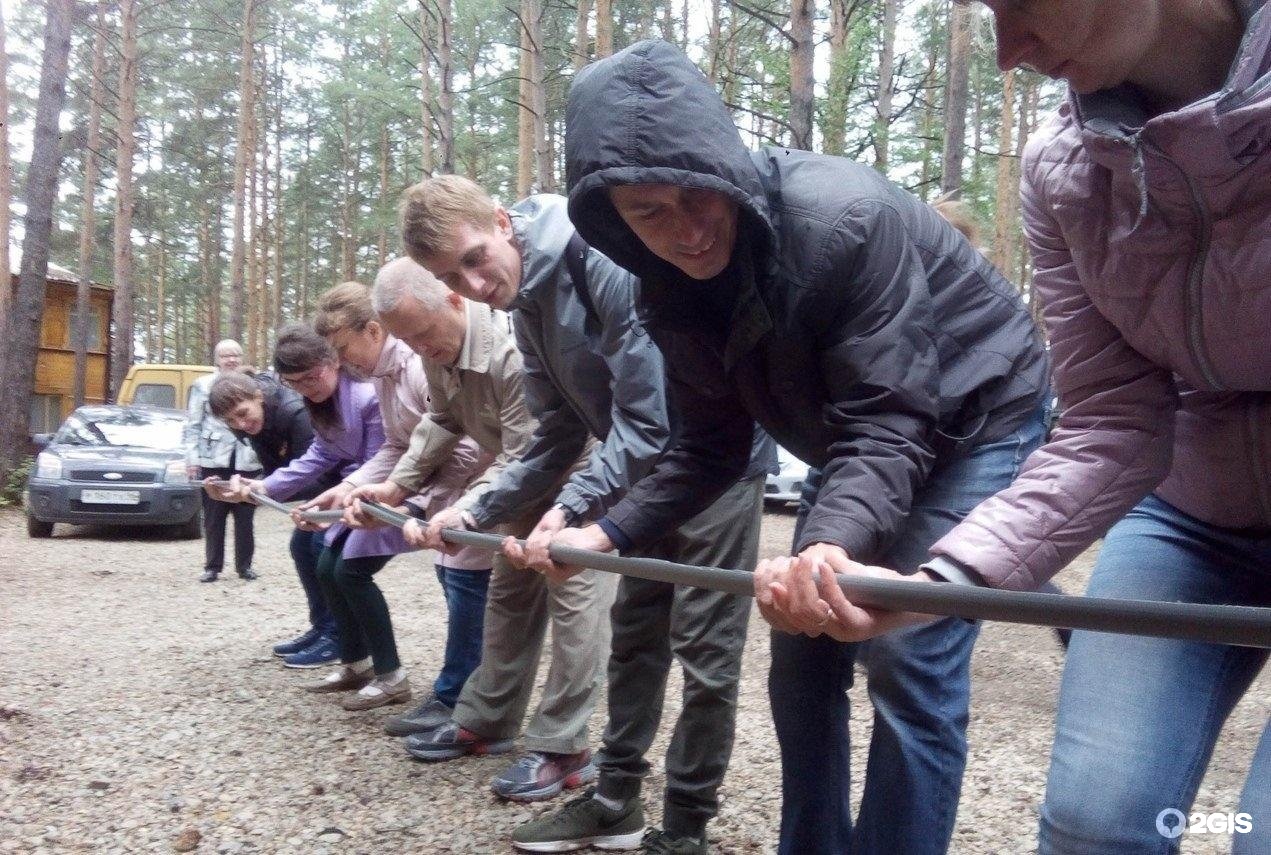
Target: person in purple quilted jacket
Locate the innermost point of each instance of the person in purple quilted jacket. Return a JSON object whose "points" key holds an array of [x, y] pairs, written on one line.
{"points": [[1147, 205]]}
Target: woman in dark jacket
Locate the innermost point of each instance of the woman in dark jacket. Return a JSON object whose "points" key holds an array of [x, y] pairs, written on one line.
{"points": [[276, 424]]}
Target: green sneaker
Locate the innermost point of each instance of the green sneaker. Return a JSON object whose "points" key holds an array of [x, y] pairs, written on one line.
{"points": [[658, 842], [583, 822]]}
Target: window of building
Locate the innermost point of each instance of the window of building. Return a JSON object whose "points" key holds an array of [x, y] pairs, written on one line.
{"points": [[46, 413]]}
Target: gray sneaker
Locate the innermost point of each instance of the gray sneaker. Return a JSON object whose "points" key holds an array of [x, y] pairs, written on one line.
{"points": [[583, 822], [429, 715]]}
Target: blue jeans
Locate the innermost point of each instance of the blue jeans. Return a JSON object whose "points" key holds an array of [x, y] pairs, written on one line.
{"points": [[305, 548], [1138, 717], [465, 592], [919, 685]]}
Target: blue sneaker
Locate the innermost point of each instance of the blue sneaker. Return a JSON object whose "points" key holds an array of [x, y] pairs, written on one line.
{"points": [[298, 643], [321, 652]]}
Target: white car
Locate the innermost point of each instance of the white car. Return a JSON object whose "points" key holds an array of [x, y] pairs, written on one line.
{"points": [[786, 485]]}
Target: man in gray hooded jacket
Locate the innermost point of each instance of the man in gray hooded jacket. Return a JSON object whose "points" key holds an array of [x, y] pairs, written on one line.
{"points": [[592, 370]]}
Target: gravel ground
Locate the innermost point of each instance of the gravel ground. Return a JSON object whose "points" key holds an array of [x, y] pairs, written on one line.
{"points": [[148, 716]]}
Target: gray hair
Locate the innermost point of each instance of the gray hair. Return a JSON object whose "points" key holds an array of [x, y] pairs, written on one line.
{"points": [[402, 276], [226, 341]]}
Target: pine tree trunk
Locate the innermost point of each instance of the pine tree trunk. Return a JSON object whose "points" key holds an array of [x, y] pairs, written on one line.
{"points": [[532, 11], [581, 40], [446, 97], [955, 100], [121, 346], [928, 122], [524, 119], [87, 216], [211, 285], [254, 347], [425, 84], [713, 43], [242, 153], [383, 237], [604, 28], [280, 221], [6, 187], [802, 85], [22, 338], [834, 125], [161, 296], [1007, 189], [261, 243], [886, 85]]}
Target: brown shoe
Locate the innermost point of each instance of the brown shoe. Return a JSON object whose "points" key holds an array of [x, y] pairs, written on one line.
{"points": [[378, 694], [343, 680]]}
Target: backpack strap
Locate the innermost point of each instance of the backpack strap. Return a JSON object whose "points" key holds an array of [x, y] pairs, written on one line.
{"points": [[576, 264]]}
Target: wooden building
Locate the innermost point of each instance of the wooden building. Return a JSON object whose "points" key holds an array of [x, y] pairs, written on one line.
{"points": [[53, 397]]}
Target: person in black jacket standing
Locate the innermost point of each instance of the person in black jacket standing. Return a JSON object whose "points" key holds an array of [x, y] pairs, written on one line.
{"points": [[274, 421], [869, 338]]}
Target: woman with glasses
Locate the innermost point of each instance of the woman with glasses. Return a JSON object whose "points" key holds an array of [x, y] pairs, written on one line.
{"points": [[348, 432]]}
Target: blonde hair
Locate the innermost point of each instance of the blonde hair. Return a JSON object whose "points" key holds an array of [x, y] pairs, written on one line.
{"points": [[430, 211], [345, 306], [960, 217]]}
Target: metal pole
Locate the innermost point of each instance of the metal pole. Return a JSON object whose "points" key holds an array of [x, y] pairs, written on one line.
{"points": [[1247, 626]]}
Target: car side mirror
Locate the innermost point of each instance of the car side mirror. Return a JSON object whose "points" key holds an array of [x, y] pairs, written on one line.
{"points": [[42, 440]]}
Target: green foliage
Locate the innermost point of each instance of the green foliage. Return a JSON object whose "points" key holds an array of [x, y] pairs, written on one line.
{"points": [[15, 483], [339, 78]]}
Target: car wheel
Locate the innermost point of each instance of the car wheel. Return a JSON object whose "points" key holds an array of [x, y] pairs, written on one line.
{"points": [[38, 528], [192, 529]]}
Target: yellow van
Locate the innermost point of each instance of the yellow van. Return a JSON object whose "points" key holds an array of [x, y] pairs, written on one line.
{"points": [[157, 385]]}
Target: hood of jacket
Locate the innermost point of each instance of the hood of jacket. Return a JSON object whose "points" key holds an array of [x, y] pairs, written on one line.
{"points": [[619, 123], [541, 229]]}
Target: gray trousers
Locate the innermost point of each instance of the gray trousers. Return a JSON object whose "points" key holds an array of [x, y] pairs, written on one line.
{"points": [[519, 606], [706, 631]]}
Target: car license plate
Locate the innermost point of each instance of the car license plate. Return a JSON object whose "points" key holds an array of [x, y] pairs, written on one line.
{"points": [[110, 497]]}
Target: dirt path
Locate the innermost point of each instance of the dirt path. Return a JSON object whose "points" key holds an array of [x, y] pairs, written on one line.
{"points": [[137, 704]]}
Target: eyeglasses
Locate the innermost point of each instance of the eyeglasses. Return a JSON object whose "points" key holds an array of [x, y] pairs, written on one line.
{"points": [[306, 380]]}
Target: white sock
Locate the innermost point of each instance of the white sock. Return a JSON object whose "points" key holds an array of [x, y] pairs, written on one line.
{"points": [[612, 804], [363, 664], [392, 678]]}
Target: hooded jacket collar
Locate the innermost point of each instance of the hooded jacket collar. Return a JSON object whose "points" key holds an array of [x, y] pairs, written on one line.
{"points": [[647, 115], [540, 229]]}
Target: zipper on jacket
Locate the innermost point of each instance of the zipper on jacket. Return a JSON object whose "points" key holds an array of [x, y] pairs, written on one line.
{"points": [[1194, 273]]}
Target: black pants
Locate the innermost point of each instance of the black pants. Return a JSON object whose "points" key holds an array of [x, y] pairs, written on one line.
{"points": [[358, 605], [214, 514]]}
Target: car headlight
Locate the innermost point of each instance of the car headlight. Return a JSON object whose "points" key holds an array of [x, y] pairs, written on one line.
{"points": [[48, 466], [176, 473]]}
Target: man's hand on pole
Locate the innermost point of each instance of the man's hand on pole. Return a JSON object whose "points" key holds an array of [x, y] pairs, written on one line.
{"points": [[801, 595], [443, 519], [591, 537]]}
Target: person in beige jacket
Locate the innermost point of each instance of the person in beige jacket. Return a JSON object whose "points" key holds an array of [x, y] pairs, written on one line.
{"points": [[474, 374]]}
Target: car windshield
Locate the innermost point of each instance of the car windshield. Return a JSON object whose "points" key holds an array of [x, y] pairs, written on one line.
{"points": [[132, 428]]}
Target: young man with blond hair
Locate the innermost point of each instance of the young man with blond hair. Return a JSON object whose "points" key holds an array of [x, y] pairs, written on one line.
{"points": [[591, 370]]}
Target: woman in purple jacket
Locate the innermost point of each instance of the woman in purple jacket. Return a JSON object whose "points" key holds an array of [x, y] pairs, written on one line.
{"points": [[1147, 204], [348, 432]]}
